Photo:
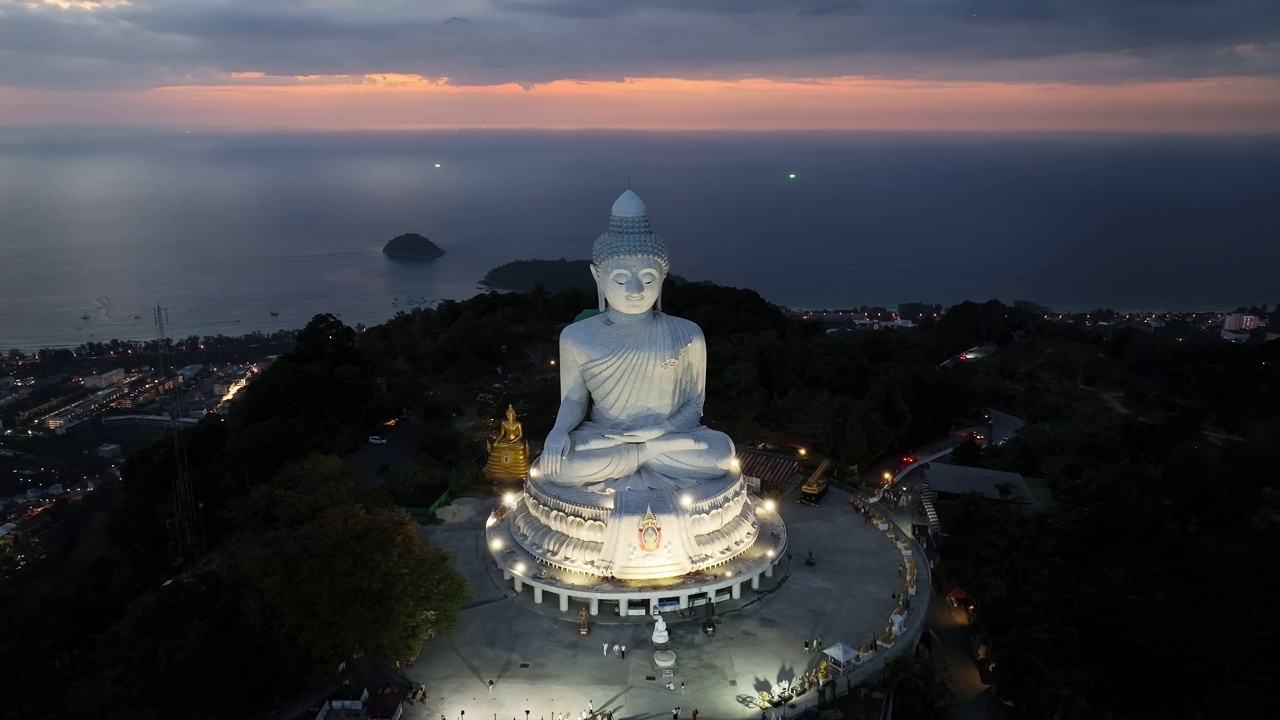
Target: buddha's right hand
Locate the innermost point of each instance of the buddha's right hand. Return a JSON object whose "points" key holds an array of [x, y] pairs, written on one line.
{"points": [[554, 450]]}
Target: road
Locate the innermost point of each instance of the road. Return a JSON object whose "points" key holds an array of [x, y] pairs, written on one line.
{"points": [[397, 453], [950, 626]]}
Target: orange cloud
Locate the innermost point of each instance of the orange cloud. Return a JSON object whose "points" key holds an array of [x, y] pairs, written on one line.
{"points": [[403, 101]]}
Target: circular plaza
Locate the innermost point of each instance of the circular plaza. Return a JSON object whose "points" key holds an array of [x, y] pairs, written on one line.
{"points": [[766, 615]]}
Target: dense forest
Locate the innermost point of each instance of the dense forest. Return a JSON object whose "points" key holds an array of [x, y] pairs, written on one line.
{"points": [[1139, 578], [1136, 594]]}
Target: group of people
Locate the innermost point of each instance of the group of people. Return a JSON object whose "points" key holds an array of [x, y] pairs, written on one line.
{"points": [[675, 713], [813, 644], [619, 651], [418, 694]]}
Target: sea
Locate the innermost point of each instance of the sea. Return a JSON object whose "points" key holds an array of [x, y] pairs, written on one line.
{"points": [[222, 229]]}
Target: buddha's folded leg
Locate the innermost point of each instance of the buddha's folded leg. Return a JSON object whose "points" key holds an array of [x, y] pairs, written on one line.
{"points": [[711, 457], [589, 466]]}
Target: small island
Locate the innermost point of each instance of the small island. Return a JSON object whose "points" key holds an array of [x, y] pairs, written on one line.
{"points": [[412, 246], [555, 275]]}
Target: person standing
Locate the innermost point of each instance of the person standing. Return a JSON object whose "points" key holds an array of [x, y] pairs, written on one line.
{"points": [[490, 683], [675, 713], [682, 688], [591, 707], [695, 714], [615, 649], [624, 652], [605, 647]]}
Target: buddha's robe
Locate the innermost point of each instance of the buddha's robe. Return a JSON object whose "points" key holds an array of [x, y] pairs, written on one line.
{"points": [[640, 375]]}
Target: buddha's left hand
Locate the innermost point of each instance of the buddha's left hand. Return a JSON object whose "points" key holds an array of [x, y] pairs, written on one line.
{"points": [[641, 435]]}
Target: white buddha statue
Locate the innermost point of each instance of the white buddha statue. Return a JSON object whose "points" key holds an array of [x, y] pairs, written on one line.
{"points": [[630, 485], [632, 379]]}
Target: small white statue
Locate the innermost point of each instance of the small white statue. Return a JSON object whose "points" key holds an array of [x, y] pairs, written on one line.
{"points": [[660, 636]]}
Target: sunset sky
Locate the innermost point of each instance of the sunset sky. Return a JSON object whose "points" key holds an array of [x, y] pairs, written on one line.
{"points": [[1210, 66]]}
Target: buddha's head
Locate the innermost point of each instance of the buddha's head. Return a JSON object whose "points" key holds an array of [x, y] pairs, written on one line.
{"points": [[629, 262], [511, 413]]}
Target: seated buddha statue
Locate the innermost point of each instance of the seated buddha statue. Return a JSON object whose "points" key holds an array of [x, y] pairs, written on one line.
{"points": [[509, 453], [632, 379]]}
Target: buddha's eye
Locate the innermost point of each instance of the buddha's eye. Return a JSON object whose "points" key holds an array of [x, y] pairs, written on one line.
{"points": [[620, 277]]}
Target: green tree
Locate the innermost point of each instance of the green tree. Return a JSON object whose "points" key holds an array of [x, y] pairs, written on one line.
{"points": [[349, 583], [967, 454], [415, 487], [326, 338], [919, 684], [297, 494]]}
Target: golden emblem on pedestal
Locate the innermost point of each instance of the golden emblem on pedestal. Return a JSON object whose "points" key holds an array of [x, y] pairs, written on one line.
{"points": [[509, 453], [650, 532]]}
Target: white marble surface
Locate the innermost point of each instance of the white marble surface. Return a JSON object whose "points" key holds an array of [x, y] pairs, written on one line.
{"points": [[631, 484]]}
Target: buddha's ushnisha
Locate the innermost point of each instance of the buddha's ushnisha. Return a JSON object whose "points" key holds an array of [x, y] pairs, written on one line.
{"points": [[641, 373]]}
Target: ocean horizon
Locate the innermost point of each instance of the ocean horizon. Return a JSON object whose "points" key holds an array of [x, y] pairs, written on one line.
{"points": [[224, 228]]}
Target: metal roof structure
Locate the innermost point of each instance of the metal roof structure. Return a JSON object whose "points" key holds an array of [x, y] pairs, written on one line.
{"points": [[772, 469], [958, 480]]}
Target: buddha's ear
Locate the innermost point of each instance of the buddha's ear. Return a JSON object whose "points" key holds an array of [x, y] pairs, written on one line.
{"points": [[595, 273]]}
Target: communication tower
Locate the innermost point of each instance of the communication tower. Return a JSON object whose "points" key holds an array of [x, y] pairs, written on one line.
{"points": [[189, 538]]}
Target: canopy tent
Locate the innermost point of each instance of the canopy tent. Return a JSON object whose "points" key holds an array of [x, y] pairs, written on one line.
{"points": [[956, 593], [841, 657]]}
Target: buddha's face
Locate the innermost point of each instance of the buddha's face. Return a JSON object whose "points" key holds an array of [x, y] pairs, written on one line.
{"points": [[630, 284]]}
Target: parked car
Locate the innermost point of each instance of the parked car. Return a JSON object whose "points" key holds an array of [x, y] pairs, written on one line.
{"points": [[377, 440]]}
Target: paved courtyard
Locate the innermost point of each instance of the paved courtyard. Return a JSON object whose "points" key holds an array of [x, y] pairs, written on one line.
{"points": [[539, 663]]}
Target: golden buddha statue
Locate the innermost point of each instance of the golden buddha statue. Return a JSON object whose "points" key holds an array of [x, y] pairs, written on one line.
{"points": [[509, 454]]}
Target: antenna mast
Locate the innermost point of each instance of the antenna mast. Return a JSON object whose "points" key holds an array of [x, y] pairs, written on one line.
{"points": [[190, 539]]}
